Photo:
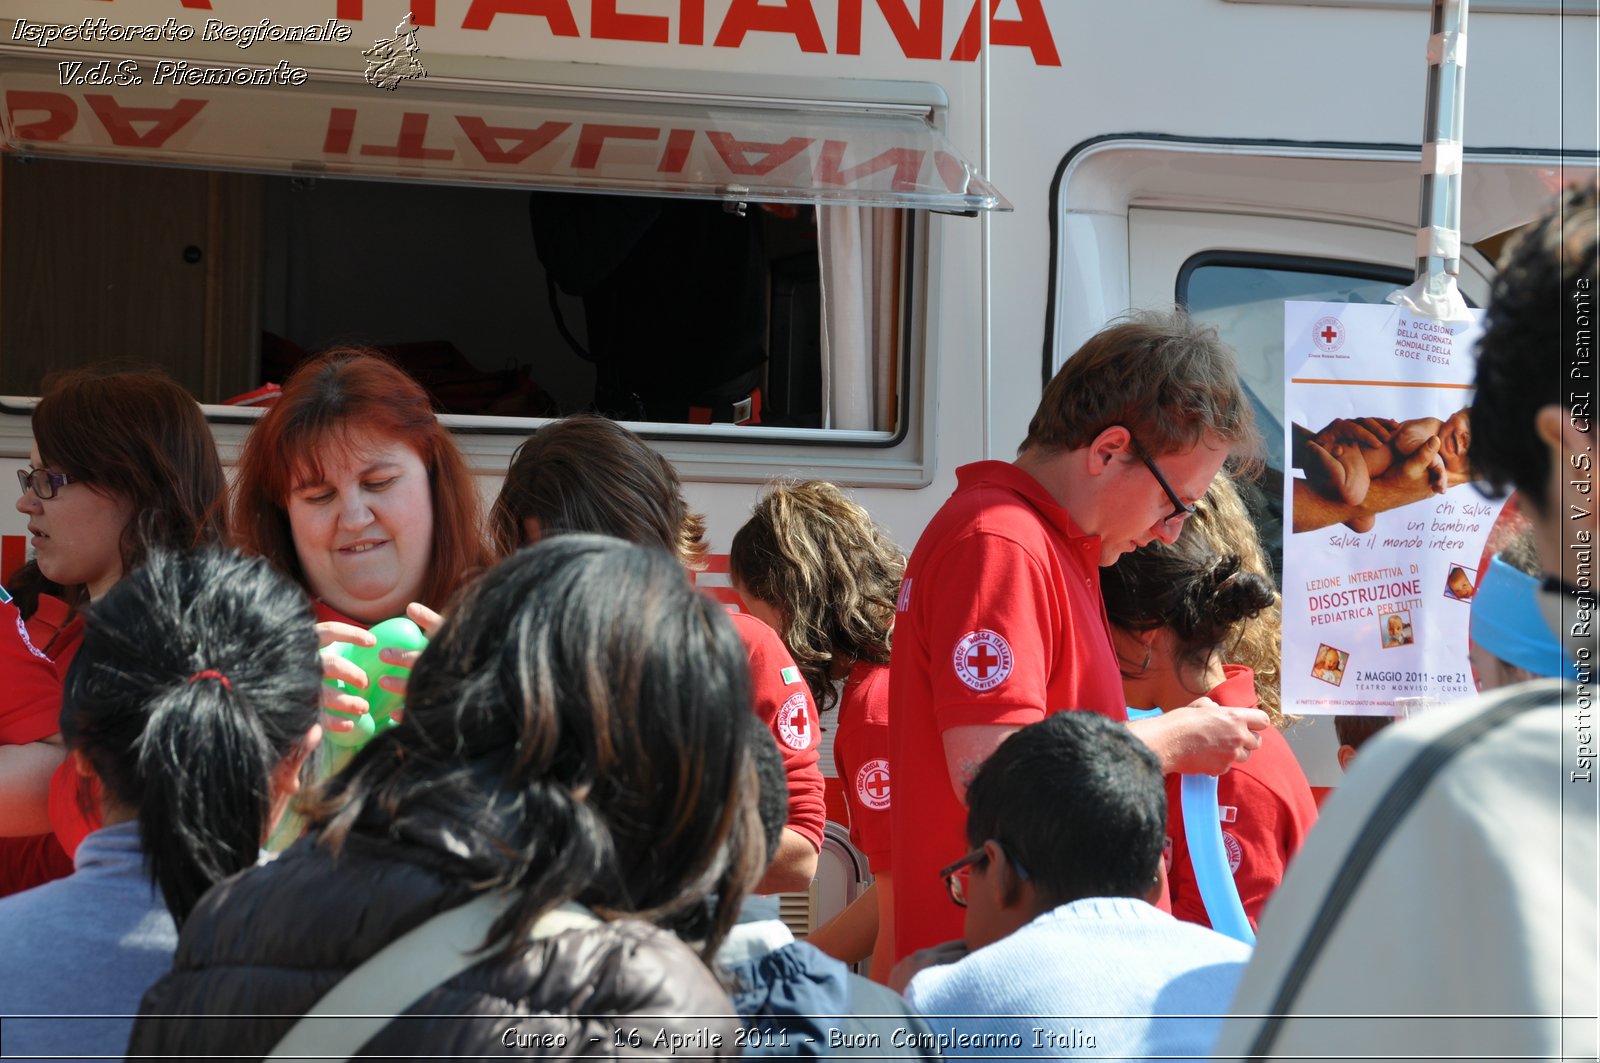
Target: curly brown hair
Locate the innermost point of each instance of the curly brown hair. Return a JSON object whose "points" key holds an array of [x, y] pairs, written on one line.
{"points": [[828, 569], [1212, 589], [1223, 521]]}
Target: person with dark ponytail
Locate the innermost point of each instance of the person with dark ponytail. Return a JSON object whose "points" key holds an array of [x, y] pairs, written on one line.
{"points": [[571, 739], [192, 702], [1180, 615]]}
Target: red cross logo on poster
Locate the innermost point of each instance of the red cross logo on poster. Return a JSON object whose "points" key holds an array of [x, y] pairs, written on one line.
{"points": [[794, 723], [1328, 334], [872, 784], [983, 659]]}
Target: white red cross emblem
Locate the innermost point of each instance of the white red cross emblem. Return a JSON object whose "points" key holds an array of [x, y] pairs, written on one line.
{"points": [[983, 659], [1235, 851], [872, 784], [794, 722], [1328, 334]]}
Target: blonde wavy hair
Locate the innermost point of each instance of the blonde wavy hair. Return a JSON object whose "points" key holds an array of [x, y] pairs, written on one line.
{"points": [[1224, 523], [831, 573]]}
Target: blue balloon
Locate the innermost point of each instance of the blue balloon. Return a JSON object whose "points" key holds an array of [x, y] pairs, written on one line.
{"points": [[1202, 825]]}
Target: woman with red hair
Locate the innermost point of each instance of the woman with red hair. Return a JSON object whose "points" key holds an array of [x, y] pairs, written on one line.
{"points": [[351, 486]]}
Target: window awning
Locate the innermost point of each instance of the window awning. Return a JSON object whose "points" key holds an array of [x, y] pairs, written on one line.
{"points": [[287, 119]]}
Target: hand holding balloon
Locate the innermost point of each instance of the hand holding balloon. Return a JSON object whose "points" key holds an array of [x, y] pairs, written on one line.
{"points": [[386, 653]]}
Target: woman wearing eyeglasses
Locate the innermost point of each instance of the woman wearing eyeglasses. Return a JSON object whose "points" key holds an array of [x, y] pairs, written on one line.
{"points": [[351, 486], [122, 462], [1200, 617]]}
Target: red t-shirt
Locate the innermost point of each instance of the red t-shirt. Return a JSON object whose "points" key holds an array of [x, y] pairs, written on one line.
{"points": [[1266, 808], [861, 758], [30, 711], [782, 699], [999, 621], [34, 670]]}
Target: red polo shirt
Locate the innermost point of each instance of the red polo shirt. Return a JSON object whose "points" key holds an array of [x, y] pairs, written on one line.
{"points": [[1266, 808], [30, 711], [999, 622], [783, 702], [861, 758]]}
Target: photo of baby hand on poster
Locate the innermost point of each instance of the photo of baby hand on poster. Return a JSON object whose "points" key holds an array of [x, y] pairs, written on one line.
{"points": [[1357, 468]]}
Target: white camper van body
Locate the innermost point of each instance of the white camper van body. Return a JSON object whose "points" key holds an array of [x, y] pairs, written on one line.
{"points": [[1136, 143]]}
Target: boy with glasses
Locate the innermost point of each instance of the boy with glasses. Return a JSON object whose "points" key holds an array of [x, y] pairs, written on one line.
{"points": [[999, 620], [1066, 953]]}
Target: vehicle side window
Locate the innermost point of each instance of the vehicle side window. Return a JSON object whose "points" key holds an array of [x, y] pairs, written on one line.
{"points": [[501, 302], [1242, 295]]}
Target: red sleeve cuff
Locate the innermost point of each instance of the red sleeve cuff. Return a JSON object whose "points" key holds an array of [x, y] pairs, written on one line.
{"points": [[987, 713]]}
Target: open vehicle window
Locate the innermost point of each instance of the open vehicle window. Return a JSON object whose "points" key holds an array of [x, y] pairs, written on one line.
{"points": [[1242, 295], [502, 302], [526, 247]]}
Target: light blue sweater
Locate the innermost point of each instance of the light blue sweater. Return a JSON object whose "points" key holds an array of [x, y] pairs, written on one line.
{"points": [[1110, 977], [83, 949]]}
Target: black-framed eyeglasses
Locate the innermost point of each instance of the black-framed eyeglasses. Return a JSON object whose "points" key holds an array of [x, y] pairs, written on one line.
{"points": [[1180, 510], [44, 483], [959, 874]]}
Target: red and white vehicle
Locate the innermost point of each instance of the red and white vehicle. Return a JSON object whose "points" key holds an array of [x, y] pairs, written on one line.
{"points": [[986, 182]]}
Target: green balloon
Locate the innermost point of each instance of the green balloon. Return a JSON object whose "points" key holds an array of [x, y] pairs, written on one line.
{"points": [[398, 633]]}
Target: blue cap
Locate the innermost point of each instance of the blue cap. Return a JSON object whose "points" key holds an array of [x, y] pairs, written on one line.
{"points": [[1507, 622]]}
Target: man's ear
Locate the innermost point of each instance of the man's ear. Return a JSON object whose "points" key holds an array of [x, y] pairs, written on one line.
{"points": [[1159, 886], [1106, 446], [1561, 432], [1011, 889]]}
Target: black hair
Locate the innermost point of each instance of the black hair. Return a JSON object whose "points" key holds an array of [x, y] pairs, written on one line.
{"points": [[196, 677], [1353, 731], [1198, 595], [1079, 802], [574, 723], [27, 584], [1547, 284]]}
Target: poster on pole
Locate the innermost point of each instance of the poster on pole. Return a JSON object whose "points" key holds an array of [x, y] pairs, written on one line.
{"points": [[1384, 530]]}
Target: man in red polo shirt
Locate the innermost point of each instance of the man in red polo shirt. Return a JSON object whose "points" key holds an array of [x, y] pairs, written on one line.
{"points": [[1000, 620]]}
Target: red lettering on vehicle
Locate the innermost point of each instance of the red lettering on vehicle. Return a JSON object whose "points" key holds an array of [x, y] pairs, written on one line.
{"points": [[341, 127], [194, 5], [691, 21], [794, 17], [679, 141], [607, 23], [736, 153], [61, 111], [1030, 30], [409, 145], [486, 138], [556, 12], [906, 162], [119, 120], [919, 38], [423, 12], [591, 138]]}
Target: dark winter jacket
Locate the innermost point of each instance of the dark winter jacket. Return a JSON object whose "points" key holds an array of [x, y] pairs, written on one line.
{"points": [[267, 944], [799, 1001]]}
